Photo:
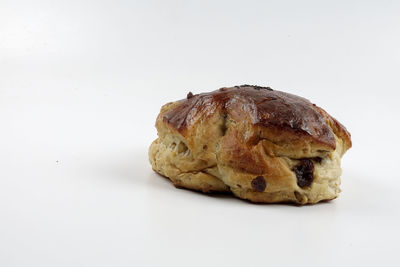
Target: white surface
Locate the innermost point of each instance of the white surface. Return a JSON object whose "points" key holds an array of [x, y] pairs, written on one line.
{"points": [[81, 83]]}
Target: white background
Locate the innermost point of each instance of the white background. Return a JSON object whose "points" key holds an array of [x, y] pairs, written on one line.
{"points": [[81, 83]]}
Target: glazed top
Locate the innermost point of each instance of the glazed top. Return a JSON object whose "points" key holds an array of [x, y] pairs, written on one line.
{"points": [[266, 108]]}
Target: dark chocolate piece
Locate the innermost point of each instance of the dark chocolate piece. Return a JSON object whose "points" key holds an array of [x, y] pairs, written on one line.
{"points": [[259, 184], [189, 95], [304, 171]]}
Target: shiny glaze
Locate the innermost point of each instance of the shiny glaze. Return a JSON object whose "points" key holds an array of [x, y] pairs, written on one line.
{"points": [[266, 108]]}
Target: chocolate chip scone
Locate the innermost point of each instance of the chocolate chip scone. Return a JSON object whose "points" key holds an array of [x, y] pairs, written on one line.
{"points": [[261, 144]]}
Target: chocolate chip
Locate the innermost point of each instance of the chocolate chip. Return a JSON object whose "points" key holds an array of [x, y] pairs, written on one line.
{"points": [[259, 184], [304, 172], [262, 87], [189, 95], [256, 87]]}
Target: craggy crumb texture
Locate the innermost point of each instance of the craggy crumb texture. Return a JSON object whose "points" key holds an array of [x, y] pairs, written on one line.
{"points": [[260, 144]]}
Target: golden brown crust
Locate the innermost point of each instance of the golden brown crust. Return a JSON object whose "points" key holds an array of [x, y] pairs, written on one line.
{"points": [[287, 114], [251, 141], [336, 126]]}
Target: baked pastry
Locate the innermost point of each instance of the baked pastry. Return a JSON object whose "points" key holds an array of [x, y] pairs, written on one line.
{"points": [[260, 144]]}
